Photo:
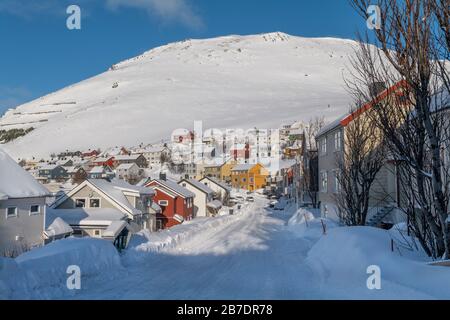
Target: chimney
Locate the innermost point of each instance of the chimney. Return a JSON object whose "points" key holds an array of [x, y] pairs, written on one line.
{"points": [[376, 88], [162, 176]]}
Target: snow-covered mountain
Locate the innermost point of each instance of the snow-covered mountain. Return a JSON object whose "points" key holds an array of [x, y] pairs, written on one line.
{"points": [[228, 82]]}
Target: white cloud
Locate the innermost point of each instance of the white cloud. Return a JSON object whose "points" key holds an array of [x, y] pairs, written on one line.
{"points": [[178, 11]]}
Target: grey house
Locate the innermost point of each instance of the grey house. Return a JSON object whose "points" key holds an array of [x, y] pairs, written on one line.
{"points": [[22, 208], [53, 172], [109, 210]]}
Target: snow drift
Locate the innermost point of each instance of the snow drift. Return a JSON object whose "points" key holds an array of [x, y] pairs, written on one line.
{"points": [[342, 257], [34, 272]]}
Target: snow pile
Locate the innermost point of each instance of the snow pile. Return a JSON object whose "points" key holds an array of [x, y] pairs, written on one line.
{"points": [[146, 241], [32, 273], [341, 259], [300, 217], [12, 279], [303, 224]]}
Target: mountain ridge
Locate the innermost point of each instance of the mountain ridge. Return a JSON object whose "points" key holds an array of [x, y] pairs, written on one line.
{"points": [[228, 81]]}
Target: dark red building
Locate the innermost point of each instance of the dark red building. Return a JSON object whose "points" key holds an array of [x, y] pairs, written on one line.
{"points": [[176, 202]]}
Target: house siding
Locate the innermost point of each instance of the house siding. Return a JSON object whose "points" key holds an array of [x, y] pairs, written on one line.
{"points": [[28, 227], [87, 193]]}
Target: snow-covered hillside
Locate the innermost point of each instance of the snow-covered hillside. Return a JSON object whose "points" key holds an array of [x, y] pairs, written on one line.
{"points": [[228, 82]]}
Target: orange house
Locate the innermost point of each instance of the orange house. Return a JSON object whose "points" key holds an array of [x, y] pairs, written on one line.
{"points": [[249, 176]]}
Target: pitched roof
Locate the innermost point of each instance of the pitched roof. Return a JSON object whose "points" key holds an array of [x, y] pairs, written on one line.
{"points": [[49, 166], [88, 216], [243, 167], [97, 169], [127, 157], [174, 187], [217, 182], [126, 166], [15, 182], [114, 190], [197, 184]]}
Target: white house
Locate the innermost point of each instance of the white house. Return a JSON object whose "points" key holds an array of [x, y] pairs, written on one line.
{"points": [[220, 189], [129, 172], [204, 204], [22, 208]]}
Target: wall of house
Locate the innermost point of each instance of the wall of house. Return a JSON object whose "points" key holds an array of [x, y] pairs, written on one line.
{"points": [[86, 193], [28, 228], [200, 201], [328, 164], [220, 192]]}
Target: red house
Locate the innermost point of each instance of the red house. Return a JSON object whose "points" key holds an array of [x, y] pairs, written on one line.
{"points": [[90, 153], [176, 202], [103, 162]]}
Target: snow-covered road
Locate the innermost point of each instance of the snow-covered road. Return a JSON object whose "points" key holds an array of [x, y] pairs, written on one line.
{"points": [[251, 257]]}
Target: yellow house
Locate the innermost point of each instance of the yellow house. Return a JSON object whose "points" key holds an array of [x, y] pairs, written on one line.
{"points": [[249, 176], [225, 170], [220, 171]]}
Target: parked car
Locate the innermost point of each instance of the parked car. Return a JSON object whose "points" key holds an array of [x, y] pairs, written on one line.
{"points": [[273, 203], [250, 199]]}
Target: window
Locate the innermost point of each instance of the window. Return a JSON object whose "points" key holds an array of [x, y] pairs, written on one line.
{"points": [[35, 209], [11, 212], [337, 141], [163, 203], [243, 179], [94, 203], [337, 185], [251, 180], [324, 181], [80, 203], [323, 146], [97, 233]]}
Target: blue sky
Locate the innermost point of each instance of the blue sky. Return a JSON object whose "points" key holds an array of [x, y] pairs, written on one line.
{"points": [[39, 55]]}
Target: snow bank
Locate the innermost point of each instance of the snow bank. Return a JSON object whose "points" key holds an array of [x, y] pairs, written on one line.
{"points": [[146, 241], [31, 274], [341, 259], [303, 224]]}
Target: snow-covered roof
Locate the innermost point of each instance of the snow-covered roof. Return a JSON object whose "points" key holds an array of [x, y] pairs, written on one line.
{"points": [[155, 149], [97, 169], [332, 125], [217, 182], [49, 166], [173, 186], [126, 166], [127, 157], [114, 229], [197, 184], [102, 159], [243, 167], [56, 226], [215, 204], [15, 182], [88, 216]]}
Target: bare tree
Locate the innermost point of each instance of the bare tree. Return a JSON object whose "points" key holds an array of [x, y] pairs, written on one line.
{"points": [[359, 162], [413, 40], [311, 129]]}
